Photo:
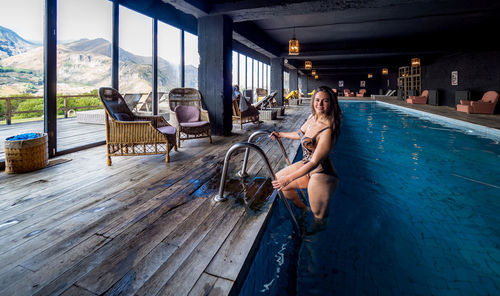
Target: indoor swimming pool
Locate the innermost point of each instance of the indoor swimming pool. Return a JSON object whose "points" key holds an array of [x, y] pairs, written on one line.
{"points": [[415, 213]]}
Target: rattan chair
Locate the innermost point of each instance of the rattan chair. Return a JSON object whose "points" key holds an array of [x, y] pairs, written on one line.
{"points": [[188, 116], [128, 134], [249, 116]]}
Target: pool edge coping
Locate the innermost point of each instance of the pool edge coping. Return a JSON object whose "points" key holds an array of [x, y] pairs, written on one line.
{"points": [[479, 130]]}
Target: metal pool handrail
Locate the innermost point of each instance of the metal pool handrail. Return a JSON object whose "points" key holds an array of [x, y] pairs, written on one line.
{"points": [[243, 173], [220, 197]]}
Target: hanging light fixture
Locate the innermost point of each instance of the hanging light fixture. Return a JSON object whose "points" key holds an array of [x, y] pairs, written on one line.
{"points": [[370, 75], [415, 62], [385, 71], [316, 76], [293, 45], [308, 65], [313, 72]]}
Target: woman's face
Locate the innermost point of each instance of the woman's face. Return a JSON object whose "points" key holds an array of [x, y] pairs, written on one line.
{"points": [[321, 103]]}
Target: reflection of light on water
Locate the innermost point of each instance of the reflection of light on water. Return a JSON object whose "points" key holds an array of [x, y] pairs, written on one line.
{"points": [[280, 259]]}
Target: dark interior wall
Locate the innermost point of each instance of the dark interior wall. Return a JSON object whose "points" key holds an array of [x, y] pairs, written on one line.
{"points": [[353, 82], [478, 72]]}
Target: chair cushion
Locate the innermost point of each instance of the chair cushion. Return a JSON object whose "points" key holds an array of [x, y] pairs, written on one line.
{"points": [[114, 102], [167, 130], [187, 113], [123, 117], [193, 124]]}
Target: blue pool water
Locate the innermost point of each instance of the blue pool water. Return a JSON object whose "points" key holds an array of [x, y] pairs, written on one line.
{"points": [[416, 212]]}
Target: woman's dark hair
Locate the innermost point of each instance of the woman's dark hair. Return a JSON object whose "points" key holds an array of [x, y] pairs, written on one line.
{"points": [[334, 114]]}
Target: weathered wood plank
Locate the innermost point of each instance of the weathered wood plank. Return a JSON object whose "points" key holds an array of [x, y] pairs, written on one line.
{"points": [[193, 266], [118, 264], [170, 267], [211, 285], [77, 291]]}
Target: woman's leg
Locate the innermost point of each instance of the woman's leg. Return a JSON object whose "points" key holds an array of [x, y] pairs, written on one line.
{"points": [[321, 187], [290, 190]]}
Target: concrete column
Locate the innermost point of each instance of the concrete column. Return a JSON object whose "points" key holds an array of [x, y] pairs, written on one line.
{"points": [[294, 80], [214, 72], [277, 79]]}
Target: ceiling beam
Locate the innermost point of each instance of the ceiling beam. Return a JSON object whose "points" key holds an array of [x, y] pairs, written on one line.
{"points": [[253, 37], [197, 8], [164, 12], [250, 10]]}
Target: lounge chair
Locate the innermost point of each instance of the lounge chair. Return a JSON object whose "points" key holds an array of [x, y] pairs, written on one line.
{"points": [[266, 101], [261, 93], [361, 93], [128, 134], [132, 100], [484, 106], [422, 99], [348, 93], [294, 94], [188, 116]]}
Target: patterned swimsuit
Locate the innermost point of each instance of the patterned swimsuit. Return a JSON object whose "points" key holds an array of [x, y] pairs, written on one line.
{"points": [[308, 146]]}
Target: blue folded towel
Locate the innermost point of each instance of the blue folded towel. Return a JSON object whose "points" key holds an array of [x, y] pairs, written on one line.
{"points": [[26, 136]]}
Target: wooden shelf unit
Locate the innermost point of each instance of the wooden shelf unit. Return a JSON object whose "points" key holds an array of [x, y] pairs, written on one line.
{"points": [[409, 81]]}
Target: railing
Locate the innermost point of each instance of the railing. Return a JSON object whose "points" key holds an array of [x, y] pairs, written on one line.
{"points": [[245, 145], [251, 139], [9, 112]]}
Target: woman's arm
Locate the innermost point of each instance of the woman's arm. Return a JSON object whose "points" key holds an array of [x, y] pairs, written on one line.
{"points": [[321, 152]]}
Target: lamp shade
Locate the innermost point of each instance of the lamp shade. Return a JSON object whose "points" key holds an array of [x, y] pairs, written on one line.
{"points": [[308, 65], [385, 71], [313, 72], [370, 75], [415, 62], [293, 47], [316, 76]]}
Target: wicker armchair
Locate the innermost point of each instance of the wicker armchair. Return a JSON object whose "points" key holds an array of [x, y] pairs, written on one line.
{"points": [[128, 134], [188, 116]]}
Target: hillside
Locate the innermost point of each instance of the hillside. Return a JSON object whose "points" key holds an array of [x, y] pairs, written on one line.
{"points": [[12, 44], [82, 66]]}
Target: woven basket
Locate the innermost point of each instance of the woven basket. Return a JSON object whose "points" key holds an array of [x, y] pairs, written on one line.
{"points": [[26, 155]]}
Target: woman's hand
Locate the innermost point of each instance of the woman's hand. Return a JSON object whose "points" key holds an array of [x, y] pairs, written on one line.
{"points": [[281, 182], [275, 135]]}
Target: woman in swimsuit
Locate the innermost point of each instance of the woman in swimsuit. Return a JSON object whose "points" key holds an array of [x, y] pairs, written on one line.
{"points": [[315, 172]]}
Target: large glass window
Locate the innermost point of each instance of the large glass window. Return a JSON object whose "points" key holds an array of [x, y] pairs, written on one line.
{"points": [[261, 75], [136, 62], [255, 74], [191, 60], [249, 73], [21, 67], [269, 78], [235, 69], [83, 66], [243, 67], [286, 82], [169, 62]]}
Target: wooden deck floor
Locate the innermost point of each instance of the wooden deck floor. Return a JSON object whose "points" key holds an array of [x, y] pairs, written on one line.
{"points": [[141, 226]]}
